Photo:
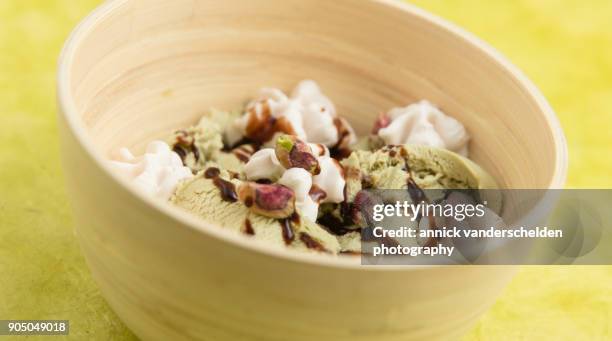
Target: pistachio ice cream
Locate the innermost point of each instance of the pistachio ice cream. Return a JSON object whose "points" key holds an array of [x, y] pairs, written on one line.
{"points": [[290, 171]]}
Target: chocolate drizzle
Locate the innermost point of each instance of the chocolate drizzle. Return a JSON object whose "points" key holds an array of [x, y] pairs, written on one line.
{"points": [[404, 155], [341, 149], [196, 152], [212, 172], [339, 225], [287, 227], [244, 152], [248, 228], [243, 142], [339, 153], [261, 128], [180, 151], [295, 218], [334, 225], [416, 193], [287, 230], [311, 243], [185, 143], [227, 189]]}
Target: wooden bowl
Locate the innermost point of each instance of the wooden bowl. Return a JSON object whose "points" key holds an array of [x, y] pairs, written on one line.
{"points": [[136, 69]]}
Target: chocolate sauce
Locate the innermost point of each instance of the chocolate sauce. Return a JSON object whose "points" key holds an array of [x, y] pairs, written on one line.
{"points": [[404, 154], [416, 193], [295, 218], [185, 144], [317, 194], [240, 154], [243, 158], [287, 230], [334, 225], [195, 151], [366, 182], [244, 152], [340, 150], [180, 151], [244, 141], [311, 243], [212, 172], [227, 189], [263, 181], [339, 153], [248, 228], [182, 138], [261, 128]]}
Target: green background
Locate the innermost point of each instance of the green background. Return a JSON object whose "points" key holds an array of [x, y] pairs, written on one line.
{"points": [[565, 47]]}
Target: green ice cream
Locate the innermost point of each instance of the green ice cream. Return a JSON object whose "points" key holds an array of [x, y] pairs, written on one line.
{"points": [[337, 228], [203, 143], [431, 168], [202, 197], [395, 167]]}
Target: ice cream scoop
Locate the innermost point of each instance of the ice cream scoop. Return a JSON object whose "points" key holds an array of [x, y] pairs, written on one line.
{"points": [[201, 196]]}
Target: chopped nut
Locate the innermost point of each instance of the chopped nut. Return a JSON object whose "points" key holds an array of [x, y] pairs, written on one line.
{"points": [[294, 153], [270, 200]]}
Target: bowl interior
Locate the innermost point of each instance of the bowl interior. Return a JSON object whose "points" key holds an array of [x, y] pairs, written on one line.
{"points": [[146, 67]]}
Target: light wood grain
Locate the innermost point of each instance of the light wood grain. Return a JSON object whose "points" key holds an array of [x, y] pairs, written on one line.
{"points": [[137, 69]]}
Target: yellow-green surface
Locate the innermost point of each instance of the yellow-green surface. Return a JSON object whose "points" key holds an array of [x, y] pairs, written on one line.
{"points": [[565, 47]]}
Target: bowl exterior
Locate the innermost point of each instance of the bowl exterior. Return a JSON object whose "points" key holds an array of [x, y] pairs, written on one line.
{"points": [[168, 278]]}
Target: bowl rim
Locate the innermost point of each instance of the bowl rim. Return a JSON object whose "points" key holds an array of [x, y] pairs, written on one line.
{"points": [[67, 110]]}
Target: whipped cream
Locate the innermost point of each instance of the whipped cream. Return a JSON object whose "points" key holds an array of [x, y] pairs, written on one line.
{"points": [[300, 181], [263, 164], [424, 124], [330, 179], [308, 113], [157, 172]]}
